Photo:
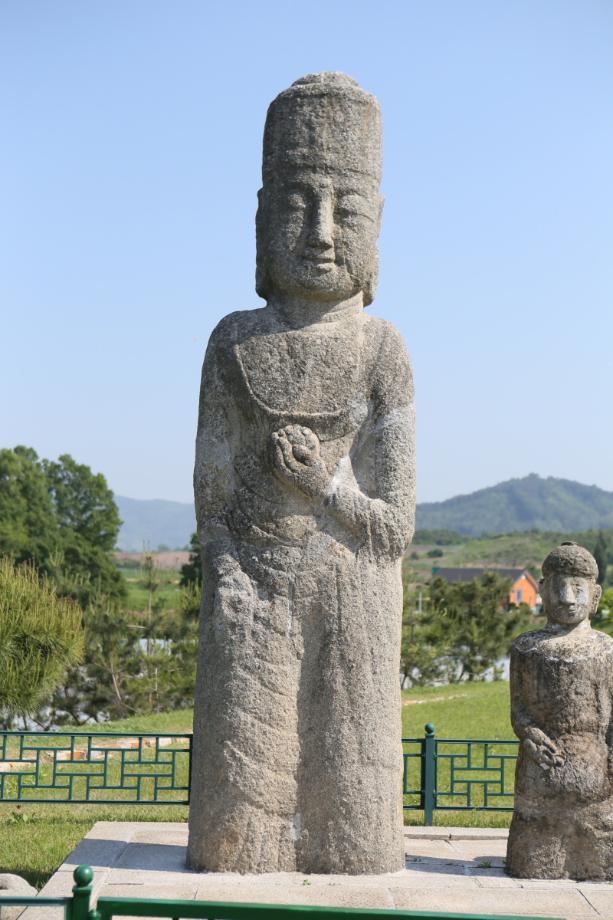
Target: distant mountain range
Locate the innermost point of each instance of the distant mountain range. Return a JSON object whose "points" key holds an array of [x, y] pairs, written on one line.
{"points": [[152, 523], [551, 504]]}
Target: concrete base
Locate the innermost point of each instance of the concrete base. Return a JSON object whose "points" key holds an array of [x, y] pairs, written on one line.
{"points": [[447, 869]]}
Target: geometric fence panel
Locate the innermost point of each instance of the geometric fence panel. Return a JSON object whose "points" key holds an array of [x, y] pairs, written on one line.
{"points": [[458, 774], [146, 768], [95, 767], [412, 773], [475, 775]]}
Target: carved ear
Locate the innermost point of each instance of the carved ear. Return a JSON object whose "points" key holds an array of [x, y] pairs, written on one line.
{"points": [[597, 596], [544, 592], [261, 245]]}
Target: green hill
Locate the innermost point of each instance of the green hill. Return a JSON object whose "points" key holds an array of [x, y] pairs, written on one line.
{"points": [[522, 504]]}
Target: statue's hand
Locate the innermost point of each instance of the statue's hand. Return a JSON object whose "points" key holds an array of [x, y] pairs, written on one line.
{"points": [[296, 460], [542, 749]]}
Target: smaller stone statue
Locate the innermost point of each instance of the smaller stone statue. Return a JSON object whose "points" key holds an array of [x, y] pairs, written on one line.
{"points": [[561, 710]]}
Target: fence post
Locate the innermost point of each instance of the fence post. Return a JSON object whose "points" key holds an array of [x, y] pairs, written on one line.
{"points": [[428, 774], [190, 767], [81, 893]]}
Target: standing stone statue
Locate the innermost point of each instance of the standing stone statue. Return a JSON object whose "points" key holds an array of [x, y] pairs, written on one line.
{"points": [[561, 709], [304, 485]]}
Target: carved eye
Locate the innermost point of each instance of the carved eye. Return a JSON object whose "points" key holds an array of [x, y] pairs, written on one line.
{"points": [[296, 201], [344, 212], [353, 207]]}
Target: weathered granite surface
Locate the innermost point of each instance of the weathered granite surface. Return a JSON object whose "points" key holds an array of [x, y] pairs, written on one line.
{"points": [[304, 484], [561, 708], [14, 886]]}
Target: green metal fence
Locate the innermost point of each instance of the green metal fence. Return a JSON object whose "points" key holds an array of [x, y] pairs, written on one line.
{"points": [[78, 907], [119, 768], [457, 774], [440, 774]]}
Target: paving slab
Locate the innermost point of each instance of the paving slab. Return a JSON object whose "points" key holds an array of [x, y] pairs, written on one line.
{"points": [[180, 892], [480, 850], [602, 901], [457, 833], [447, 869], [492, 878], [425, 847], [567, 904], [373, 896]]}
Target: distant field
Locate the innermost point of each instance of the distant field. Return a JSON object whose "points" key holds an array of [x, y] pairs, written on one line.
{"points": [[166, 559], [167, 586]]}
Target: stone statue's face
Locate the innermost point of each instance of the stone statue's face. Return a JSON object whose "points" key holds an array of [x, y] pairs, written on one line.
{"points": [[321, 233], [569, 599]]}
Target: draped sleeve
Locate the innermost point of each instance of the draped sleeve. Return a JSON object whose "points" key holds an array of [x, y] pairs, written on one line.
{"points": [[213, 470], [383, 515]]}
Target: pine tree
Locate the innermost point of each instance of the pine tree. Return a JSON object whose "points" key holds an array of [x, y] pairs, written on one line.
{"points": [[41, 636], [477, 623], [191, 572]]}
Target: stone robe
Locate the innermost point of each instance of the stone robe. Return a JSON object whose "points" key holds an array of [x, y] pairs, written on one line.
{"points": [[562, 683], [297, 714]]}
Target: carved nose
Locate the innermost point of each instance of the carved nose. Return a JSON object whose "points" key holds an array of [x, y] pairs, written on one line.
{"points": [[321, 236]]}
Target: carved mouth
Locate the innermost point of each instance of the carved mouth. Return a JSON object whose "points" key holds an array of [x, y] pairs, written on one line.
{"points": [[320, 260]]}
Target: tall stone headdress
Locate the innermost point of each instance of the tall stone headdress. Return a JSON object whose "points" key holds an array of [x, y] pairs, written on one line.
{"points": [[327, 123]]}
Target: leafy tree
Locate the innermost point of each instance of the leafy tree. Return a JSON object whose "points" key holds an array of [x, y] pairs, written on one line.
{"points": [[89, 524], [601, 556], [41, 636], [82, 501], [191, 572], [29, 529], [62, 518], [605, 608]]}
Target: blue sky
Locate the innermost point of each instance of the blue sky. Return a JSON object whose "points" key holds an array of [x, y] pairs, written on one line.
{"points": [[128, 177]]}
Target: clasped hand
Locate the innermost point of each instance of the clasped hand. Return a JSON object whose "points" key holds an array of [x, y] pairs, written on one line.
{"points": [[296, 460], [542, 749]]}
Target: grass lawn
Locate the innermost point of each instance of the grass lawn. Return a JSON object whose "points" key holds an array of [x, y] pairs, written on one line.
{"points": [[35, 839], [478, 710]]}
